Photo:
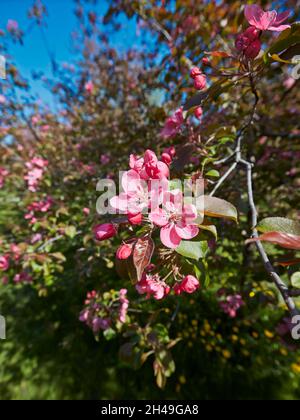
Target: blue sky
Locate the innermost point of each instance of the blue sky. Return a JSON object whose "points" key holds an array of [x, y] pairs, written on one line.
{"points": [[61, 22]]}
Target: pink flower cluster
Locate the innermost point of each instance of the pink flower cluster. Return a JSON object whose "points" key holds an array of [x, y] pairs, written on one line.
{"points": [[3, 174], [23, 277], [173, 124], [124, 305], [38, 207], [153, 285], [141, 192], [248, 42], [36, 168], [102, 312], [230, 304]]}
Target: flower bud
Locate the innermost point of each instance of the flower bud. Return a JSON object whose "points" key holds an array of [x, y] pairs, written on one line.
{"points": [[104, 231]]}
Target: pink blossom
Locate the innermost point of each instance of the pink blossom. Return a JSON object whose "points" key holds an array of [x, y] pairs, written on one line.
{"points": [[36, 168], [3, 174], [104, 159], [36, 238], [173, 124], [100, 324], [198, 112], [89, 87], [104, 231], [176, 220], [189, 285], [124, 252], [266, 21], [2, 99], [38, 206], [205, 61], [86, 211], [23, 278], [195, 71], [12, 26], [138, 195], [200, 82], [124, 305], [152, 285], [232, 304], [35, 119], [4, 262]]}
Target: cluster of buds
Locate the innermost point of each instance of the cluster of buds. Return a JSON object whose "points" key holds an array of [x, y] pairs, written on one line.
{"points": [[248, 42]]}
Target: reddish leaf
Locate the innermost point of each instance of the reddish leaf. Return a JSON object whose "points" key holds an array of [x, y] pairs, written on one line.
{"points": [[284, 240], [288, 263], [142, 255], [221, 54]]}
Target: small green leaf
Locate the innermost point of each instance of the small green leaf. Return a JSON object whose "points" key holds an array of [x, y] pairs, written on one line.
{"points": [[215, 207], [193, 250], [213, 173], [295, 280], [71, 231]]}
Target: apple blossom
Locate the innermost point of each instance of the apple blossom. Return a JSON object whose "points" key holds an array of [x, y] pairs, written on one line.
{"points": [[4, 263], [173, 124], [175, 220], [188, 285], [152, 285], [266, 21]]}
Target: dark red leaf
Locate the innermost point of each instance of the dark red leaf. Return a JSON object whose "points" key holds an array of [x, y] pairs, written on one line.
{"points": [[142, 254]]}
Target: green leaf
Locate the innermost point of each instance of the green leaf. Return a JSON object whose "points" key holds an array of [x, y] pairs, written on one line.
{"points": [[287, 39], [279, 224], [109, 334], [295, 280], [213, 173], [210, 228], [216, 207], [193, 250], [71, 231]]}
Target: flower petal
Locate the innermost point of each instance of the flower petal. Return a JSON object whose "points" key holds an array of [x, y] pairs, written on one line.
{"points": [[185, 231], [159, 217], [169, 236]]}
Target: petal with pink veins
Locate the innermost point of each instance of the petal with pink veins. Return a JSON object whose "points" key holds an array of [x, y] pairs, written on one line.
{"points": [[159, 217], [186, 231], [169, 236]]}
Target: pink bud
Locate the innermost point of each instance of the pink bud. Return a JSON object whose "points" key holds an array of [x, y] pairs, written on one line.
{"points": [[200, 82], [253, 50], [105, 231], [166, 158], [195, 71], [135, 219], [198, 112], [205, 61], [124, 252]]}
